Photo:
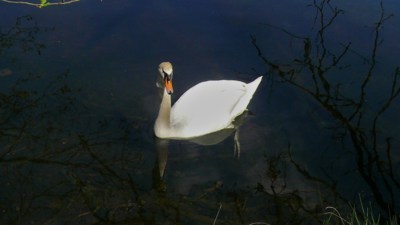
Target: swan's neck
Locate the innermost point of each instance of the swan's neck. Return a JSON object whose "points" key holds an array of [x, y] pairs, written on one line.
{"points": [[162, 127]]}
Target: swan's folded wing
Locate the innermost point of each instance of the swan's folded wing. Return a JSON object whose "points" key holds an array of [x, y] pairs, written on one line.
{"points": [[208, 107]]}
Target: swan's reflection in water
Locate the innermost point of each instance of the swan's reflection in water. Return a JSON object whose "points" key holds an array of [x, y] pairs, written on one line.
{"points": [[204, 140]]}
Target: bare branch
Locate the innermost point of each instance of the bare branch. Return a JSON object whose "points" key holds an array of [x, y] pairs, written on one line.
{"points": [[42, 3]]}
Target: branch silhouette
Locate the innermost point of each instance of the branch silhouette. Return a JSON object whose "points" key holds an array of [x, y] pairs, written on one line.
{"points": [[317, 63]]}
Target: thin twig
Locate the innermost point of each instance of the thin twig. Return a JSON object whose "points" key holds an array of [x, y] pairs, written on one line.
{"points": [[40, 5]]}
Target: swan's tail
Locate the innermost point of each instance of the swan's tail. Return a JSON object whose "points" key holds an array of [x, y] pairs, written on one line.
{"points": [[252, 87], [245, 99]]}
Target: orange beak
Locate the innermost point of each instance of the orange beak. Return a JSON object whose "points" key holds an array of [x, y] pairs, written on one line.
{"points": [[168, 86]]}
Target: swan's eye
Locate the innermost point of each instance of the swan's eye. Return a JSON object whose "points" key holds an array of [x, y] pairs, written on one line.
{"points": [[167, 76]]}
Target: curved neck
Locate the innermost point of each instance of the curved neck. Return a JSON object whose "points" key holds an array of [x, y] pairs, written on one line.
{"points": [[162, 126]]}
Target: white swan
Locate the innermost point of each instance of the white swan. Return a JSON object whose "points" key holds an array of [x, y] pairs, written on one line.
{"points": [[207, 107]]}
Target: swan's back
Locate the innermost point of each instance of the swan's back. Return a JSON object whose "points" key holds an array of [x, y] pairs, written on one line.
{"points": [[210, 106]]}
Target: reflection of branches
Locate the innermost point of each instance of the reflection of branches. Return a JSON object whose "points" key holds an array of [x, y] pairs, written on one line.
{"points": [[46, 130], [22, 34], [319, 63], [372, 61]]}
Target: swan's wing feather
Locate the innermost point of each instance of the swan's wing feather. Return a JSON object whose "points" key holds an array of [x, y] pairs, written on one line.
{"points": [[210, 106], [245, 99]]}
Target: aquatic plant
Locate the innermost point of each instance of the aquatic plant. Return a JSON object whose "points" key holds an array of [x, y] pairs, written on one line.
{"points": [[361, 215]]}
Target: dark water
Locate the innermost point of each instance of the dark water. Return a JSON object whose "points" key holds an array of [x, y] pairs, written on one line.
{"points": [[78, 101]]}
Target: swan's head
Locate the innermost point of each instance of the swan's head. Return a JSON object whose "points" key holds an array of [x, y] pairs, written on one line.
{"points": [[165, 69]]}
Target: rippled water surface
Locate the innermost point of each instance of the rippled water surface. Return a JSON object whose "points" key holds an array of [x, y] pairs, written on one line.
{"points": [[78, 102]]}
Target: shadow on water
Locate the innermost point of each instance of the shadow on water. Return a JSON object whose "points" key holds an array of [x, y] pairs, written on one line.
{"points": [[316, 72]]}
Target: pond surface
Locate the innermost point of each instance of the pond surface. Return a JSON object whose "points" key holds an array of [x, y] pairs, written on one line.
{"points": [[78, 103]]}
